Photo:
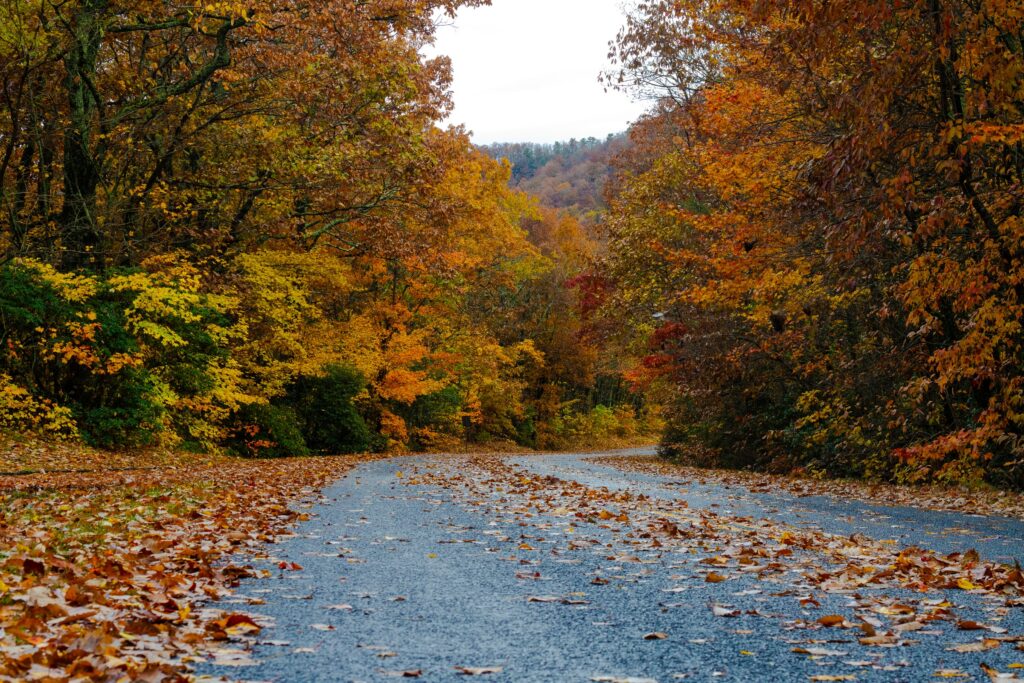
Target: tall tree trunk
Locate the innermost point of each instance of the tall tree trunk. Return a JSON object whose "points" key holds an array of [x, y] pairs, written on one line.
{"points": [[80, 234]]}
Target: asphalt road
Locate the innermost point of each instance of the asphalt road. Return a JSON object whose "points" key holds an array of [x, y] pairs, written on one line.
{"points": [[399, 579]]}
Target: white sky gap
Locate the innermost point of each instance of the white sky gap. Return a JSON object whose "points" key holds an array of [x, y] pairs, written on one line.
{"points": [[526, 70]]}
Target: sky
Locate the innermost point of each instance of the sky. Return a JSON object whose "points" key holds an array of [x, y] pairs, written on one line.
{"points": [[526, 70]]}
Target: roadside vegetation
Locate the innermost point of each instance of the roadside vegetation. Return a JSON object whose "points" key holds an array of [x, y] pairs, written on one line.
{"points": [[818, 234]]}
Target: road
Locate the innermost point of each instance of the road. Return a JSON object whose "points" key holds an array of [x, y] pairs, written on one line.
{"points": [[557, 568]]}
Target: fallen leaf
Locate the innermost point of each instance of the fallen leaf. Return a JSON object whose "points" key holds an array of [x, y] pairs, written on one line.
{"points": [[908, 626], [982, 646], [967, 625], [996, 675], [478, 670], [231, 657], [818, 652], [880, 641]]}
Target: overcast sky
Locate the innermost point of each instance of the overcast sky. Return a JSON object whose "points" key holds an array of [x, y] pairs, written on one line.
{"points": [[526, 70]]}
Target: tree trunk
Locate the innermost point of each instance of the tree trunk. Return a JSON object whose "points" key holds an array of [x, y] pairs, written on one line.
{"points": [[80, 235]]}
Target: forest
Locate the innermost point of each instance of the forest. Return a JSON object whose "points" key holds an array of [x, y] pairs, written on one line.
{"points": [[227, 229], [223, 231], [298, 382], [817, 234]]}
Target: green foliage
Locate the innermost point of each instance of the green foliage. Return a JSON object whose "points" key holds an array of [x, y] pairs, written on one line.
{"points": [[136, 357], [331, 422], [127, 413], [440, 410], [271, 431]]}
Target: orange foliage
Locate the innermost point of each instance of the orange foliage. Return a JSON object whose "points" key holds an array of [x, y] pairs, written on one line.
{"points": [[829, 197]]}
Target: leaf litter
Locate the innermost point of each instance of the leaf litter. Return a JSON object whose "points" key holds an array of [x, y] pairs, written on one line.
{"points": [[894, 596], [116, 574]]}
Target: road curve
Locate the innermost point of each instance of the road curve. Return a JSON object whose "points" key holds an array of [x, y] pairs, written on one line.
{"points": [[415, 567]]}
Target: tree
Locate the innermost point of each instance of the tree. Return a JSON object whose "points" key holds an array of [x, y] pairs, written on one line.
{"points": [[834, 201]]}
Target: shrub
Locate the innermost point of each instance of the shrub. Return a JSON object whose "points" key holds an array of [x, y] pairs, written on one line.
{"points": [[270, 431], [136, 356], [332, 424], [20, 411]]}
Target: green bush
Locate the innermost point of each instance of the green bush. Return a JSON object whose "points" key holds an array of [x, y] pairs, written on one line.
{"points": [[439, 410], [271, 431], [126, 417], [332, 424], [128, 354]]}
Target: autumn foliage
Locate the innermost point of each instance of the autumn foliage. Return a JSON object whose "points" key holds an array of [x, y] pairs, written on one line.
{"points": [[819, 232], [238, 227]]}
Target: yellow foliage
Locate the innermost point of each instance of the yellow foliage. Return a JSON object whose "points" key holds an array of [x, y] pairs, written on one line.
{"points": [[71, 287], [21, 411]]}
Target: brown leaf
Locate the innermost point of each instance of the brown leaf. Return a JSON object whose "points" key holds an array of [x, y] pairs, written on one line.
{"points": [[995, 675], [982, 646], [33, 567], [967, 625], [908, 626], [478, 670], [880, 641]]}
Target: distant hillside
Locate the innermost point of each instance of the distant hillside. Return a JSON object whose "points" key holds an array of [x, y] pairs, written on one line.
{"points": [[564, 175]]}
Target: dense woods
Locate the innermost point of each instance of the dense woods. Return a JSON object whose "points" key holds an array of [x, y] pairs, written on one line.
{"points": [[818, 233], [570, 176], [244, 229], [245, 262], [228, 226]]}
